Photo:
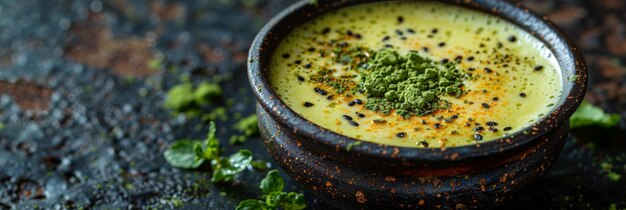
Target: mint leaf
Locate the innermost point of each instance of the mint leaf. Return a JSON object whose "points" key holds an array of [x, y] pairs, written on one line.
{"points": [[294, 201], [225, 169], [181, 154], [205, 92], [272, 182], [248, 126], [251, 204], [588, 114]]}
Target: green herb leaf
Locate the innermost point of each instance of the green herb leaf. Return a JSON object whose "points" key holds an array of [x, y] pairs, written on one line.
{"points": [[272, 182], [294, 201], [225, 169], [251, 204], [259, 165], [205, 92], [588, 114], [181, 154], [248, 126], [180, 97]]}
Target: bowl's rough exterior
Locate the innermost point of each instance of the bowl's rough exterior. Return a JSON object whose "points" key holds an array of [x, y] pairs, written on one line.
{"points": [[373, 176]]}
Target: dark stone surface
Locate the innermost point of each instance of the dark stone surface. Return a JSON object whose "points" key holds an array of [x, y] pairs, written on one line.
{"points": [[89, 129]]}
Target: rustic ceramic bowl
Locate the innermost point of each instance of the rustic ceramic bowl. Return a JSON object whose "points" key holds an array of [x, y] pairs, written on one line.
{"points": [[375, 176]]}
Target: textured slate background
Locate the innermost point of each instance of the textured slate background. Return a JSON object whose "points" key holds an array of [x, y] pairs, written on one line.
{"points": [[85, 127]]}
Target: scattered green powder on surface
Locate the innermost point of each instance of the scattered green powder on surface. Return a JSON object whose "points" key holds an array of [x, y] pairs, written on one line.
{"points": [[410, 85]]}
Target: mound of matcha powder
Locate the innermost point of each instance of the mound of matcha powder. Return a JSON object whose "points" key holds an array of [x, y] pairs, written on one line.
{"points": [[410, 84]]}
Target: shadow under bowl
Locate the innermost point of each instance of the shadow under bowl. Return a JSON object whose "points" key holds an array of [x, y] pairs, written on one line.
{"points": [[375, 176]]}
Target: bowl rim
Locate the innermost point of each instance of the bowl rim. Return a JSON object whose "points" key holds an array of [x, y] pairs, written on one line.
{"points": [[538, 26]]}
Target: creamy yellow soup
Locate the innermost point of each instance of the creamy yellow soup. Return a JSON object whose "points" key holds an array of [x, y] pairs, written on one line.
{"points": [[513, 79]]}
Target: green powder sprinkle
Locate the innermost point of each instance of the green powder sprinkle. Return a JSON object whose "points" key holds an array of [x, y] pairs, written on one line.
{"points": [[410, 84]]}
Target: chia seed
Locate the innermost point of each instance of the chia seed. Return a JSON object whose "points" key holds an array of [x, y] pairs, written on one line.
{"points": [[485, 105], [308, 104], [401, 134], [347, 117]]}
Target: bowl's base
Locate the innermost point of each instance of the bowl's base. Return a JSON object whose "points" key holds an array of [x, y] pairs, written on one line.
{"points": [[347, 187]]}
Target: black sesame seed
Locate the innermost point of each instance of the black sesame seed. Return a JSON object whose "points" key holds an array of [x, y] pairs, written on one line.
{"points": [[351, 103], [523, 95], [399, 32], [360, 115], [286, 55], [458, 59], [495, 99], [401, 134], [471, 58], [478, 137], [358, 101], [423, 143], [410, 30], [493, 129], [445, 60], [301, 79], [434, 31], [330, 97], [298, 62], [488, 70], [386, 38], [442, 44], [347, 117], [437, 125], [512, 38], [311, 49], [358, 36], [538, 68], [326, 30], [320, 91], [388, 46], [479, 128], [308, 104], [471, 69], [400, 19], [425, 49], [308, 66], [507, 128], [353, 123], [485, 105], [491, 123], [350, 33], [424, 122]]}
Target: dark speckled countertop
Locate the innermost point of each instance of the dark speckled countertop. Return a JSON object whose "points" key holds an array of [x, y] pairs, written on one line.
{"points": [[84, 128]]}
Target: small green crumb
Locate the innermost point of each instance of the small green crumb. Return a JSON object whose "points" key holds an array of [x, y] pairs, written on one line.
{"points": [[215, 114], [353, 144], [155, 63], [237, 139], [615, 177], [613, 206]]}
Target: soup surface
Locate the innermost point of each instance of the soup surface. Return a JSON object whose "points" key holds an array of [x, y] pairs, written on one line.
{"points": [[509, 78]]}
